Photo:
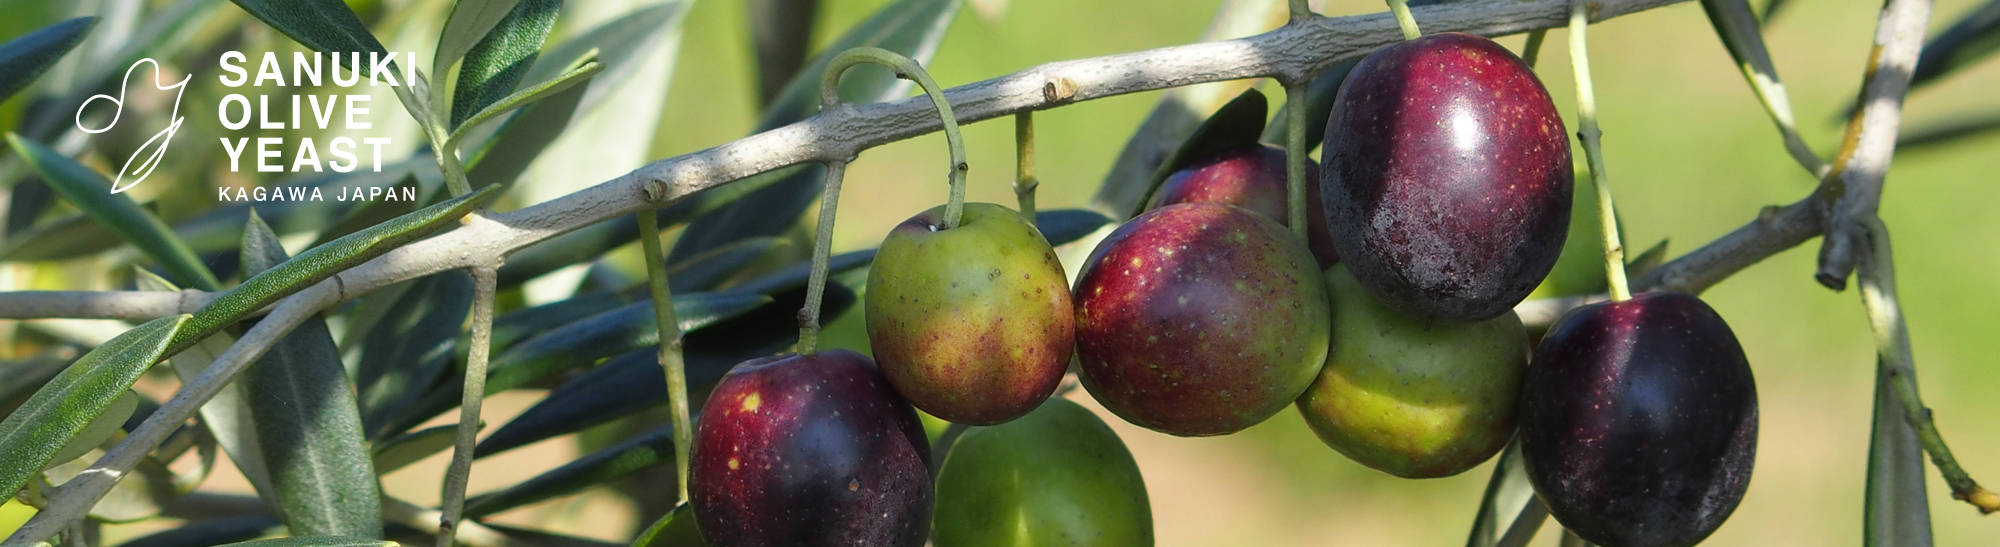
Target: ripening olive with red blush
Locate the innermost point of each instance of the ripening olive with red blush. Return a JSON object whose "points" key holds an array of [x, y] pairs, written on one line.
{"points": [[1200, 319], [1446, 177]]}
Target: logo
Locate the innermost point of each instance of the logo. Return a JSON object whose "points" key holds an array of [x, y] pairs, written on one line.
{"points": [[164, 137]]}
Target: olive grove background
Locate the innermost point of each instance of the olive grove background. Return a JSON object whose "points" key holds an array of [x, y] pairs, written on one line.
{"points": [[1690, 148]]}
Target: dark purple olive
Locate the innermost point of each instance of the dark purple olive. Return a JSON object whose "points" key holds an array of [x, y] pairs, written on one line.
{"points": [[1446, 177], [1639, 421], [813, 450], [1251, 177]]}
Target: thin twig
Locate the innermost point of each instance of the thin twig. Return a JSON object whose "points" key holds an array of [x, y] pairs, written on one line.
{"points": [[484, 281], [1855, 190], [1295, 159], [669, 353], [1593, 151], [1025, 182], [1892, 340]]}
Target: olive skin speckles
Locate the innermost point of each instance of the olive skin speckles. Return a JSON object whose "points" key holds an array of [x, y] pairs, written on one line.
{"points": [[972, 324], [808, 451], [1639, 421], [1200, 319], [1446, 177]]}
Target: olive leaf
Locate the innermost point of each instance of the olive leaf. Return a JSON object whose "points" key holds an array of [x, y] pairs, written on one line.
{"points": [[307, 422], [1736, 24], [1895, 507], [318, 541], [1971, 39], [1506, 492], [1237, 124], [31, 436], [782, 32], [471, 24], [24, 59], [674, 529], [494, 66], [653, 448], [412, 346], [324, 25], [90, 192], [408, 448], [209, 533]]}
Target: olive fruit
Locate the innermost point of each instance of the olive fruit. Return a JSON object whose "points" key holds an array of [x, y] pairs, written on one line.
{"points": [[1056, 477], [1200, 319], [1410, 398], [973, 323], [1251, 177], [809, 450], [1446, 177], [1639, 421]]}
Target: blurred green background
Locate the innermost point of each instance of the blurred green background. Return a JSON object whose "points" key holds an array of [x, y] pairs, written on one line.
{"points": [[1690, 154]]}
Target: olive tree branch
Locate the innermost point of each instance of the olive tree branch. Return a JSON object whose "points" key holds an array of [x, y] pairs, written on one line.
{"points": [[484, 279], [1292, 53], [1854, 191]]}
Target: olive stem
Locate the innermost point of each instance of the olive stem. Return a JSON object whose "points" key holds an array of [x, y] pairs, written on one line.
{"points": [[1532, 51], [1295, 158], [1892, 342], [905, 68], [1593, 151], [1025, 182], [1301, 9], [670, 344], [1404, 19], [484, 279], [829, 201]]}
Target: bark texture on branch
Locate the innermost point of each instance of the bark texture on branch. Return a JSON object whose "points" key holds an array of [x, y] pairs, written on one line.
{"points": [[1855, 190]]}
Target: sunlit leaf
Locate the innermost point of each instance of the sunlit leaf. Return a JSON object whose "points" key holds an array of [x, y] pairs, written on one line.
{"points": [[674, 529], [323, 25], [494, 66], [32, 435], [470, 24]]}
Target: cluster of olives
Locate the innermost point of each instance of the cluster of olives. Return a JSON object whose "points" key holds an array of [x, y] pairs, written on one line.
{"points": [[1443, 198]]}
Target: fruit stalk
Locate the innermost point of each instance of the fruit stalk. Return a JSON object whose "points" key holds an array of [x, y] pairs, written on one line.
{"points": [[484, 280], [1295, 159], [1892, 340], [1593, 151], [1025, 182], [905, 68], [1404, 19], [1532, 51], [670, 345], [822, 251], [1301, 9]]}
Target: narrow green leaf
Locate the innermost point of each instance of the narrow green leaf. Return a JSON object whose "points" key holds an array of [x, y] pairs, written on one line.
{"points": [[1506, 492], [525, 96], [469, 24], [913, 28], [606, 334], [494, 66], [1971, 39], [317, 264], [143, 493], [411, 447], [634, 382], [62, 238], [1736, 24], [1237, 124], [782, 32], [24, 59], [226, 415], [412, 347], [1960, 128], [100, 429], [87, 190], [323, 25], [1896, 509], [618, 45], [1651, 258], [32, 435], [650, 449], [706, 271], [518, 325], [307, 422], [318, 541], [372, 212], [591, 242], [674, 529]]}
